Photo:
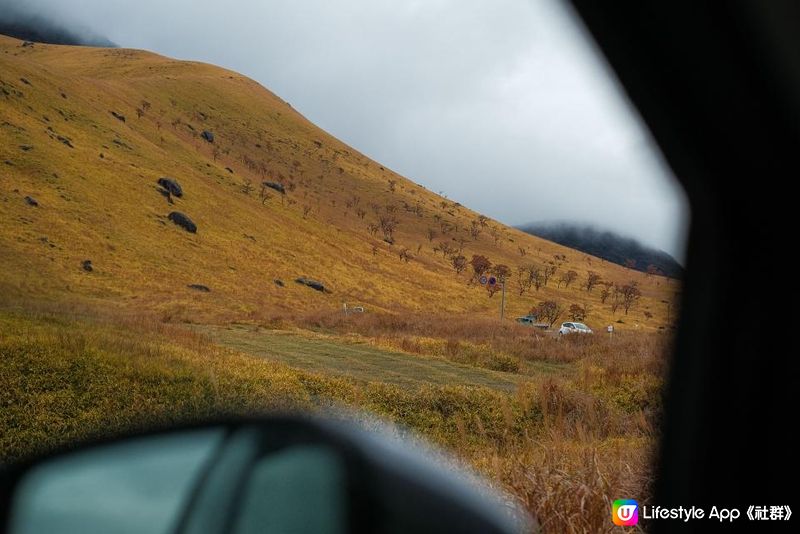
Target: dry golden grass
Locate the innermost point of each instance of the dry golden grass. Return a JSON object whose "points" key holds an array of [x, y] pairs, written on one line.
{"points": [[564, 445], [99, 201]]}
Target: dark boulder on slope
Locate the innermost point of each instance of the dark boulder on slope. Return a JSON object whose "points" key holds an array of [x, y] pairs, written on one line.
{"points": [[313, 284], [208, 136], [199, 287], [171, 186], [276, 186], [183, 221]]}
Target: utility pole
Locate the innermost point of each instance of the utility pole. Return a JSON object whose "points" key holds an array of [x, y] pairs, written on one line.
{"points": [[503, 301]]}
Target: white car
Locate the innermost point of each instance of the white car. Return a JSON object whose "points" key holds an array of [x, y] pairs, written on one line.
{"points": [[571, 328]]}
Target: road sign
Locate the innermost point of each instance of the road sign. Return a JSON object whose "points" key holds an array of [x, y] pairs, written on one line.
{"points": [[483, 280], [492, 280]]}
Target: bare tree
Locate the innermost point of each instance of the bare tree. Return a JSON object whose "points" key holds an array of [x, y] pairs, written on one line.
{"points": [[459, 263], [392, 185], [538, 278], [630, 295], [630, 263], [548, 271], [592, 279], [405, 255], [527, 276], [446, 249], [474, 229], [483, 220], [388, 224], [247, 186], [605, 294], [524, 281], [567, 278], [522, 251], [480, 265], [577, 312], [502, 272], [616, 298], [549, 311], [496, 235], [431, 235]]}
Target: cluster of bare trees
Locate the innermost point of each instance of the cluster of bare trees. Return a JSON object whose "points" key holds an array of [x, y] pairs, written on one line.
{"points": [[528, 276], [531, 275], [253, 165], [416, 209], [625, 296]]}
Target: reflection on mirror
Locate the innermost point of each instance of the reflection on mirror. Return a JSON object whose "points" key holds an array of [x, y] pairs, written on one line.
{"points": [[147, 486], [132, 487]]}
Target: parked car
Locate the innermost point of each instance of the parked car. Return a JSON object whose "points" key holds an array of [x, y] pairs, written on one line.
{"points": [[530, 320], [571, 328]]}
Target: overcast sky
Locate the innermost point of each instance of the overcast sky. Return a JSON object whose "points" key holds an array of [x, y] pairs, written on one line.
{"points": [[502, 105]]}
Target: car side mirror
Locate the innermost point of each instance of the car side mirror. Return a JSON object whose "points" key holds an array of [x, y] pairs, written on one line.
{"points": [[282, 474]]}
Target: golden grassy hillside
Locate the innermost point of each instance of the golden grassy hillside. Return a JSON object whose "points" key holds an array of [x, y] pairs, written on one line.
{"points": [[64, 144]]}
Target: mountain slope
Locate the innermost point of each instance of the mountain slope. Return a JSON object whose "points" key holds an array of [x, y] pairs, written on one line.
{"points": [[72, 141]]}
